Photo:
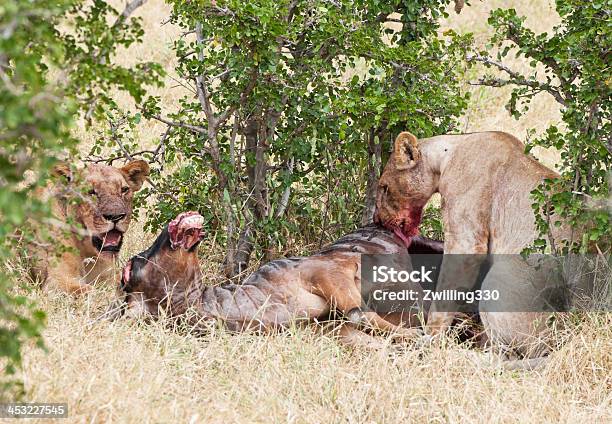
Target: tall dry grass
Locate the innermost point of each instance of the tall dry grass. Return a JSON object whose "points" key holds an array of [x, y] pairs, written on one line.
{"points": [[137, 372]]}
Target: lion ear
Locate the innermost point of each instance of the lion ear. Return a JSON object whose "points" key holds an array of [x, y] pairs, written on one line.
{"points": [[135, 173], [406, 151], [62, 169]]}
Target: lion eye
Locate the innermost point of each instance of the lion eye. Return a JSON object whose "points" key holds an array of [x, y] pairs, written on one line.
{"points": [[92, 192], [125, 189]]}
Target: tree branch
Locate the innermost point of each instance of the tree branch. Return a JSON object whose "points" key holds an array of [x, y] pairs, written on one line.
{"points": [[515, 78], [203, 95], [243, 97], [130, 7], [194, 128]]}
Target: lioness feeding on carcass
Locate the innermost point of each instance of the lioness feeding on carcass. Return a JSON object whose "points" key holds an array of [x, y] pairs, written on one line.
{"points": [[168, 276], [485, 181]]}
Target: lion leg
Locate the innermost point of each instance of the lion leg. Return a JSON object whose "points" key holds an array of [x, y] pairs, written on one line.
{"points": [[349, 335], [470, 239], [343, 294], [403, 319], [517, 323], [65, 275], [376, 322]]}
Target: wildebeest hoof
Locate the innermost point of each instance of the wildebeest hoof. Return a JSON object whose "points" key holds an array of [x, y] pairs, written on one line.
{"points": [[356, 316], [426, 340], [527, 364]]}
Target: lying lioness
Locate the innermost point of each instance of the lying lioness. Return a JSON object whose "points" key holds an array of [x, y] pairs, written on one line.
{"points": [[91, 224], [168, 276]]}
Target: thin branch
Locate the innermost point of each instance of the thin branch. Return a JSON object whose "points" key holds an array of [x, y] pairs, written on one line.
{"points": [[401, 67], [100, 55], [291, 11], [23, 19], [459, 6], [130, 8], [183, 84], [221, 75], [243, 97], [515, 78], [284, 200], [194, 128], [513, 36], [232, 141], [113, 129], [125, 154], [219, 11], [163, 193], [203, 95], [110, 160]]}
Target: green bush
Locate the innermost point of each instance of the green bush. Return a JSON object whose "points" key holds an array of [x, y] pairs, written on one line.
{"points": [[48, 77], [34, 123], [575, 57], [293, 107]]}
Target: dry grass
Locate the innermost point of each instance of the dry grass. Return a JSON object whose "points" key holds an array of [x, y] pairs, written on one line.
{"points": [[136, 372]]}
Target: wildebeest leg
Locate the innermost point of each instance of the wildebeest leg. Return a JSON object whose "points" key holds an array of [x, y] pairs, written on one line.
{"points": [[343, 294], [375, 321], [350, 335]]}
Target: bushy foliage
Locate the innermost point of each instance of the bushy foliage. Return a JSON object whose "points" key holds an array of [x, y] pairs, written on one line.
{"points": [[575, 58], [48, 76], [291, 107], [92, 35], [34, 119]]}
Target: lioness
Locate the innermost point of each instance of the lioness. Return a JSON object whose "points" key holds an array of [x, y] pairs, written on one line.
{"points": [[485, 180], [103, 215], [168, 275]]}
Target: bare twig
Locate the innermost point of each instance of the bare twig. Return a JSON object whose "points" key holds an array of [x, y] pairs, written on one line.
{"points": [[515, 78], [243, 97], [194, 128]]}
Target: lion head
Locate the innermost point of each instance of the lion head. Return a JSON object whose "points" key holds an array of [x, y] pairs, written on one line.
{"points": [[404, 188], [105, 209]]}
